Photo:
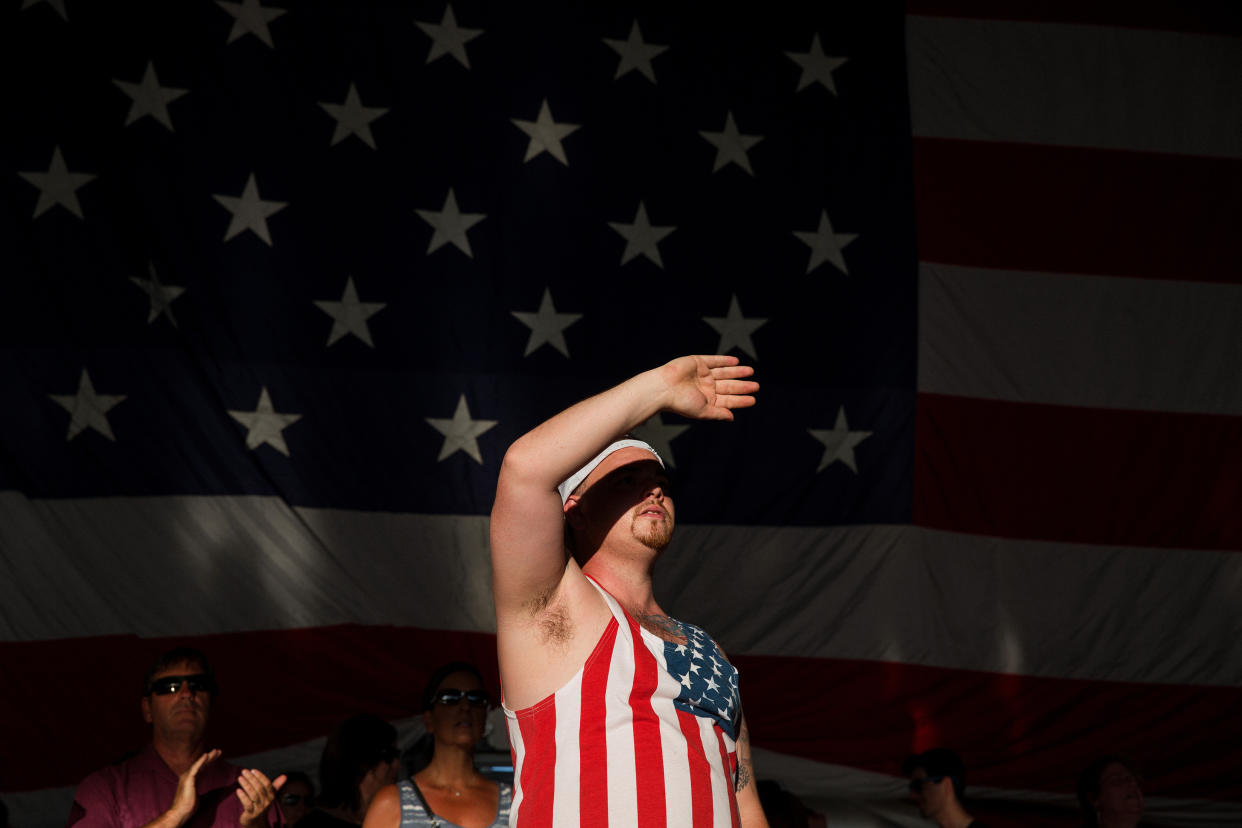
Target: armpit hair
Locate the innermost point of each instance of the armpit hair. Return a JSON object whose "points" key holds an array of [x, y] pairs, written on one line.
{"points": [[534, 606], [555, 625], [548, 613]]}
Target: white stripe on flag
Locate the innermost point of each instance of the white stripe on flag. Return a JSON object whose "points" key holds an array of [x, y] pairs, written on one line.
{"points": [[519, 753], [722, 813], [854, 592], [1094, 341], [568, 770], [673, 747], [1072, 85], [622, 780], [877, 593]]}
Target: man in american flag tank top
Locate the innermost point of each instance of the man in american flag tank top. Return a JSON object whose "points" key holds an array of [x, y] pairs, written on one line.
{"points": [[618, 714]]}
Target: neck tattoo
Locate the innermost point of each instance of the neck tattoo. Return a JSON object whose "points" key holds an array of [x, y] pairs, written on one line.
{"points": [[662, 626]]}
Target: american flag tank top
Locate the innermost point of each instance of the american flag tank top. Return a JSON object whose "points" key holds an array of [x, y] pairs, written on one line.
{"points": [[643, 735]]}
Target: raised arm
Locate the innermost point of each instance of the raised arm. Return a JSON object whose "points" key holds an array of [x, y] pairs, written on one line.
{"points": [[527, 531]]}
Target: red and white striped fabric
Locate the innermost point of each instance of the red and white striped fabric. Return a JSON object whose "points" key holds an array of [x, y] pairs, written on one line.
{"points": [[610, 748]]}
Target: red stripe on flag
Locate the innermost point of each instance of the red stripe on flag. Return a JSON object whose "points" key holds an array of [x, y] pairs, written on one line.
{"points": [[648, 757], [700, 771], [1075, 210], [1204, 16], [864, 714], [1128, 478], [538, 781], [85, 691], [592, 739], [1023, 732]]}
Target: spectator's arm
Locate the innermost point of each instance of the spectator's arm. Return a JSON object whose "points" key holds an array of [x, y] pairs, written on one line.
{"points": [[385, 809], [95, 805]]}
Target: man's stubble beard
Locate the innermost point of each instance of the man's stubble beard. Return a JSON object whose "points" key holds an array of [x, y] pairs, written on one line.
{"points": [[654, 536]]}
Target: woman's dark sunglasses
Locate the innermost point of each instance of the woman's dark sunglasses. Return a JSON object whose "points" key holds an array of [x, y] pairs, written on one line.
{"points": [[451, 696], [167, 685]]}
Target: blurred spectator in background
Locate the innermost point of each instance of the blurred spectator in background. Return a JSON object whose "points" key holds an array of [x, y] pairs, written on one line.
{"points": [[297, 797], [360, 758], [1109, 793], [449, 789], [175, 781], [938, 787]]}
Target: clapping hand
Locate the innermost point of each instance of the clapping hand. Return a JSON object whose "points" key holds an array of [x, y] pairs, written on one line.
{"points": [[186, 798], [257, 794]]}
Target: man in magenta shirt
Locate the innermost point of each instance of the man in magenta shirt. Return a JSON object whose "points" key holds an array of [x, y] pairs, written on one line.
{"points": [[175, 782]]}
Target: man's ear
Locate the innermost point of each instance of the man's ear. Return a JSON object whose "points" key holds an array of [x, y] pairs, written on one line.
{"points": [[146, 709], [571, 508]]}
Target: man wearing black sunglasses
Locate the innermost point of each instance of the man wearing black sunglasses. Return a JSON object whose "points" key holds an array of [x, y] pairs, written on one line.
{"points": [[175, 781]]}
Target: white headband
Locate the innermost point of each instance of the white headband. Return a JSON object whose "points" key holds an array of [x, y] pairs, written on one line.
{"points": [[574, 480]]}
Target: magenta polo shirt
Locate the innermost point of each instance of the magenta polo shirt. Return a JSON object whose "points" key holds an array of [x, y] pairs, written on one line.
{"points": [[135, 791]]}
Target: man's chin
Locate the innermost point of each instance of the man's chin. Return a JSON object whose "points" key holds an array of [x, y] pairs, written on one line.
{"points": [[653, 540], [652, 534]]}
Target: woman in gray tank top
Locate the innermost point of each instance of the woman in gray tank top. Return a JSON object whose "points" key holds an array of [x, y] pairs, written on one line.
{"points": [[450, 792]]}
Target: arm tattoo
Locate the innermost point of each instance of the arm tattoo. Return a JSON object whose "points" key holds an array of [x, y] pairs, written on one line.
{"points": [[743, 777], [743, 758]]}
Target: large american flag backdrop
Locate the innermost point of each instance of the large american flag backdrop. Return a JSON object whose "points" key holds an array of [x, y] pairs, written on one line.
{"points": [[281, 282]]}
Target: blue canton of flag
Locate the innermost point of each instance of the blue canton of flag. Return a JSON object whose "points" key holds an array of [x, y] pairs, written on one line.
{"points": [[709, 685]]}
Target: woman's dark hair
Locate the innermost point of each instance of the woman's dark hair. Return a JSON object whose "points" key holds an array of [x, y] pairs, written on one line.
{"points": [[441, 673], [1089, 785], [356, 746]]}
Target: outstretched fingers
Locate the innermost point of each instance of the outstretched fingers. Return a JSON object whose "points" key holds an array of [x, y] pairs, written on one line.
{"points": [[718, 360], [735, 401], [736, 386], [732, 371], [732, 391]]}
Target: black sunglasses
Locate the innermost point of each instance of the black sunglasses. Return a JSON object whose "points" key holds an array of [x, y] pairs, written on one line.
{"points": [[451, 696], [916, 785], [294, 799], [167, 685]]}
